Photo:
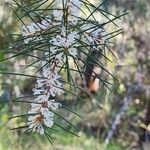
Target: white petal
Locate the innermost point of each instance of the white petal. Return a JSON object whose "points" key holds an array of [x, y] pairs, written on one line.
{"points": [[40, 129], [53, 105], [48, 123]]}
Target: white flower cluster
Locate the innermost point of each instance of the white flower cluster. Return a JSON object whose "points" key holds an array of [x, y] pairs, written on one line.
{"points": [[73, 9], [48, 87], [29, 31], [97, 36], [63, 43], [93, 35], [41, 111], [51, 81]]}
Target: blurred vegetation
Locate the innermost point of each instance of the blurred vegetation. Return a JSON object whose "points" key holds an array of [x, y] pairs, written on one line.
{"points": [[132, 69]]}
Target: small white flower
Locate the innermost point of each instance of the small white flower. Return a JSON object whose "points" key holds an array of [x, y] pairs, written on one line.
{"points": [[38, 91], [43, 103], [42, 98], [98, 36], [39, 129], [46, 23], [46, 113], [53, 105], [49, 122], [58, 14], [36, 122], [72, 37], [73, 52], [33, 28], [74, 11], [51, 82], [64, 44]]}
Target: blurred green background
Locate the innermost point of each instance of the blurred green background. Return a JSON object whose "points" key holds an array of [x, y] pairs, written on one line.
{"points": [[132, 69]]}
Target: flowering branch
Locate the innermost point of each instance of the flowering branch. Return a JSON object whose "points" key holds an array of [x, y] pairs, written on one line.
{"points": [[53, 38]]}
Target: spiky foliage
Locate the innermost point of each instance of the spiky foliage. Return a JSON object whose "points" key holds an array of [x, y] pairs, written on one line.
{"points": [[54, 35]]}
